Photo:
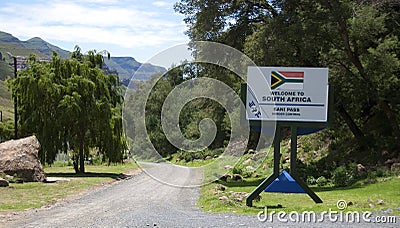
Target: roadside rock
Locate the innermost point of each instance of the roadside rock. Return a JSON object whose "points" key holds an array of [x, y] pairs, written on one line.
{"points": [[225, 177], [361, 168], [239, 196], [380, 202], [224, 199], [259, 156], [250, 168], [3, 183], [247, 161], [220, 187], [20, 157], [56, 179], [8, 177], [228, 167], [395, 167], [237, 177]]}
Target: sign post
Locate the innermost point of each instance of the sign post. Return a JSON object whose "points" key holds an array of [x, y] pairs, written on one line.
{"points": [[298, 98]]}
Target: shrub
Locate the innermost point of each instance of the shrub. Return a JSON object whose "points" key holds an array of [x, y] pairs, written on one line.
{"points": [[247, 174], [322, 181], [237, 170], [15, 179], [311, 180], [344, 176], [382, 172]]}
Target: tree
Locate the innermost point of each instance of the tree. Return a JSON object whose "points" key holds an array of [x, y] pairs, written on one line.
{"points": [[71, 103], [358, 40]]}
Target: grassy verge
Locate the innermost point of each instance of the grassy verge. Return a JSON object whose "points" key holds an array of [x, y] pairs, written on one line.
{"points": [[379, 196], [19, 197]]}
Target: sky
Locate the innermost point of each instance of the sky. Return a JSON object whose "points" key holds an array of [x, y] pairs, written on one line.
{"points": [[136, 28]]}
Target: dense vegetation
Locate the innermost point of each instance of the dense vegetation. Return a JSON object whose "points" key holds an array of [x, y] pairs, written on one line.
{"points": [[358, 40], [70, 104]]}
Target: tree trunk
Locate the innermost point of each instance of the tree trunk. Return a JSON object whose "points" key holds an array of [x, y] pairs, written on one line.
{"points": [[391, 118], [81, 157], [81, 152], [358, 134], [75, 163]]}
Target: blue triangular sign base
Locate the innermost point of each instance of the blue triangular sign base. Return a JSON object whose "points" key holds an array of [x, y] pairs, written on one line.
{"points": [[284, 183]]}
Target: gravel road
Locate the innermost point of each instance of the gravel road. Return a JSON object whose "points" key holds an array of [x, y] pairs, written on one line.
{"points": [[143, 201]]}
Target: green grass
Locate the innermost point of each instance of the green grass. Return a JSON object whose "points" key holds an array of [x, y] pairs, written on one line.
{"points": [[19, 197], [386, 189]]}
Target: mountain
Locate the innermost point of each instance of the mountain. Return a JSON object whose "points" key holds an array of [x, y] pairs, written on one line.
{"points": [[11, 44], [126, 67], [44, 47], [7, 37]]}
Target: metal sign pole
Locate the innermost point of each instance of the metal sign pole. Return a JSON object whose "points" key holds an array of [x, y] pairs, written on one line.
{"points": [[275, 174], [293, 163], [15, 102]]}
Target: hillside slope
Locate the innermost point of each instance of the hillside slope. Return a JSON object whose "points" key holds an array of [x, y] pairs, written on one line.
{"points": [[44, 47], [128, 66]]}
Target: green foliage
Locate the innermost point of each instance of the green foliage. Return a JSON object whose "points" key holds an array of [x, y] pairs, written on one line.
{"points": [[6, 130], [15, 179], [321, 181], [237, 169], [357, 40], [311, 180], [344, 176], [70, 103], [189, 117]]}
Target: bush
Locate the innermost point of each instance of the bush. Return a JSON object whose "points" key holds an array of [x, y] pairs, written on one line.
{"points": [[311, 180], [382, 172], [15, 179], [237, 170], [322, 181], [344, 176]]}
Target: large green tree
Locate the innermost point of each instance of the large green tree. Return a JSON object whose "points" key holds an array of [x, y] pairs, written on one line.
{"points": [[71, 104], [358, 40]]}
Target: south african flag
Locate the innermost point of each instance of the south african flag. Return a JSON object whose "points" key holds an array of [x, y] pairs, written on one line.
{"points": [[287, 80]]}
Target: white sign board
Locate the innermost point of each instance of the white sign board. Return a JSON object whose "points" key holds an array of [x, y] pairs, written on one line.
{"points": [[287, 94]]}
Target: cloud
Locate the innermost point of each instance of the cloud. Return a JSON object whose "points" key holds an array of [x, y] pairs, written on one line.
{"points": [[161, 4], [127, 24]]}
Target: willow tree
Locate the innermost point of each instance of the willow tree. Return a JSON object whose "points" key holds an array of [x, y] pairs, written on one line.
{"points": [[71, 104]]}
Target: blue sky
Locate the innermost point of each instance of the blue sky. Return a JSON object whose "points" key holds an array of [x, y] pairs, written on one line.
{"points": [[137, 28]]}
